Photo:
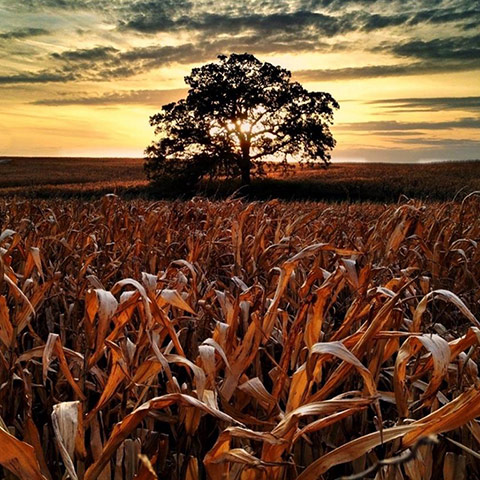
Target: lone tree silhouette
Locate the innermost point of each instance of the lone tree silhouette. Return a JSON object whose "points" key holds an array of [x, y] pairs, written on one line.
{"points": [[238, 112]]}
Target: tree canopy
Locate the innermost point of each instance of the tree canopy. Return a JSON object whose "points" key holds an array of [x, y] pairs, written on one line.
{"points": [[238, 112]]}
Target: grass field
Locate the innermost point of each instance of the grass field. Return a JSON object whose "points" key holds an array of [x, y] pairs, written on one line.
{"points": [[229, 340], [45, 177]]}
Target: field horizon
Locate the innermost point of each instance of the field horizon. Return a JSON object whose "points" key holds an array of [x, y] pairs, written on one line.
{"points": [[45, 177]]}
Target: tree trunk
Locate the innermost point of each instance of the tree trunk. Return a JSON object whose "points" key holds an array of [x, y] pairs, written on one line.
{"points": [[246, 164], [245, 175]]}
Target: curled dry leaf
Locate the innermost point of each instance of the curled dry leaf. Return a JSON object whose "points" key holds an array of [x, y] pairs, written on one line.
{"points": [[130, 422], [440, 354], [337, 349], [66, 421], [6, 328], [447, 296], [18, 457], [54, 347], [172, 297]]}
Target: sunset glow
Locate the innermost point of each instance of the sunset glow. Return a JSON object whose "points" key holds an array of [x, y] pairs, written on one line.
{"points": [[82, 77]]}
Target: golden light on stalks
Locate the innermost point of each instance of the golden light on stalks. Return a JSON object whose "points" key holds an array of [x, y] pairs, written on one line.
{"points": [[194, 340]]}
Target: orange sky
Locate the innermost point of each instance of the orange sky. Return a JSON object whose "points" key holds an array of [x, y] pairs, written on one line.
{"points": [[81, 78]]}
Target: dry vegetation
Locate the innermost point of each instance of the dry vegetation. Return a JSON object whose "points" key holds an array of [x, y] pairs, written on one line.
{"points": [[87, 177], [35, 171], [39, 176], [239, 341]]}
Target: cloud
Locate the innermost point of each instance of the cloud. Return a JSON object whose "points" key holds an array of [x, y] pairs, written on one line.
{"points": [[300, 22], [149, 16], [327, 17], [379, 126], [471, 25], [86, 54], [397, 133], [433, 56], [104, 63], [38, 4], [464, 48], [23, 33], [376, 21], [414, 153], [260, 27], [444, 15], [375, 71], [40, 77], [154, 98], [323, 18], [440, 142], [429, 104], [58, 4]]}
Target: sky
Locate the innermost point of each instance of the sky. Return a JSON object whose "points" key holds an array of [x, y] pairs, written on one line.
{"points": [[82, 77]]}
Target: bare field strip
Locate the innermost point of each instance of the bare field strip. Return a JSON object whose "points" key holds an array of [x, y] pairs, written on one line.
{"points": [[67, 177]]}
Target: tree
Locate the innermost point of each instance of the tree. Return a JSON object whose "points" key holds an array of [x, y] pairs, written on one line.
{"points": [[238, 112]]}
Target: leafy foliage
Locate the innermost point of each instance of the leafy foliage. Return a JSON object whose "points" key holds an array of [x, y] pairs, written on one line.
{"points": [[238, 112]]}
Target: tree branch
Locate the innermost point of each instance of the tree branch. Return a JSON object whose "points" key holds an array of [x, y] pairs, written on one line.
{"points": [[274, 151]]}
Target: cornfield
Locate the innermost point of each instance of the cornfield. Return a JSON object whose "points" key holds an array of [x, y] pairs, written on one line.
{"points": [[226, 340]]}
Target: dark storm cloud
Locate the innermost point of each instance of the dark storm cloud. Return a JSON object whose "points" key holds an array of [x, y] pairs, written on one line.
{"points": [[103, 62], [22, 33], [403, 126], [429, 104], [139, 97], [301, 21], [159, 56]]}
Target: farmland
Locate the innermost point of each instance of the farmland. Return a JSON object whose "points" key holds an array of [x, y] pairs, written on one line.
{"points": [[223, 340], [86, 177]]}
